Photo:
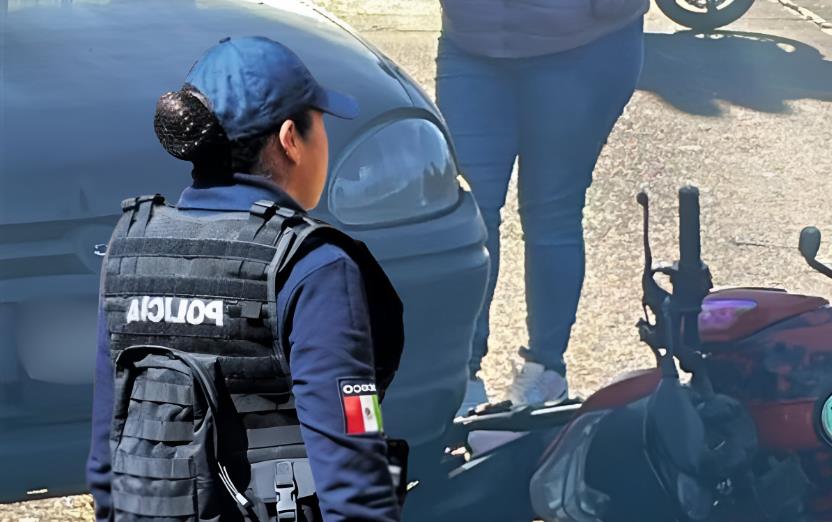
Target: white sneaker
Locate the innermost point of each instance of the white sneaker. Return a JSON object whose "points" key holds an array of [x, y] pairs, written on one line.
{"points": [[534, 384], [475, 395]]}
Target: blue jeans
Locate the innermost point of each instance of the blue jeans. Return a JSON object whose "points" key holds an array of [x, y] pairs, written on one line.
{"points": [[554, 112]]}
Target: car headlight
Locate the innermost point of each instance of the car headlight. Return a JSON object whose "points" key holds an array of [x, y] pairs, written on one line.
{"points": [[400, 171]]}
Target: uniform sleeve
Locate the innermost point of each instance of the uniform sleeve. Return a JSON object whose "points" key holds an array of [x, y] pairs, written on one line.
{"points": [[330, 341], [98, 463]]}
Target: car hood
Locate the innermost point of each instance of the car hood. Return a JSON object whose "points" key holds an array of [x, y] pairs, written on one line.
{"points": [[80, 82]]}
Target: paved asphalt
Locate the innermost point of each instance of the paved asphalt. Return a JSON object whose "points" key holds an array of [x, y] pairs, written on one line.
{"points": [[822, 8]]}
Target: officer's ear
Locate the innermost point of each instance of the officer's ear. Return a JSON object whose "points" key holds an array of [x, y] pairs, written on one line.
{"points": [[290, 141]]}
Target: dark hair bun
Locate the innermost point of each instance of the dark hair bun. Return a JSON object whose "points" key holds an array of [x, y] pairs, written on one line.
{"points": [[186, 128]]}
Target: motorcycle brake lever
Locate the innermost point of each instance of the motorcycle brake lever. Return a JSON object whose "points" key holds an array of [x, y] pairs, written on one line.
{"points": [[653, 295]]}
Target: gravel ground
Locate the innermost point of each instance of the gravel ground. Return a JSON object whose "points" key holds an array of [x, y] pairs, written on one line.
{"points": [[745, 116], [66, 509]]}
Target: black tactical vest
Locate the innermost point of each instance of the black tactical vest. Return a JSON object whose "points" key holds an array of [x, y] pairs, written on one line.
{"points": [[194, 300]]}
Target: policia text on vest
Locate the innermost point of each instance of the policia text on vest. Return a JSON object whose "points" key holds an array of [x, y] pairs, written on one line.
{"points": [[175, 310]]}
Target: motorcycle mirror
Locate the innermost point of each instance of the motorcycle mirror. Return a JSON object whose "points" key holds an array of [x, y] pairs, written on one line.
{"points": [[809, 243]]}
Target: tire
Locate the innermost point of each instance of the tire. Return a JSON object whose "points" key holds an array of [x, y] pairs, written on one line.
{"points": [[704, 21]]}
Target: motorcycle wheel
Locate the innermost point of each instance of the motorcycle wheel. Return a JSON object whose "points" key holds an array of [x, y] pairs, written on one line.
{"points": [[683, 13]]}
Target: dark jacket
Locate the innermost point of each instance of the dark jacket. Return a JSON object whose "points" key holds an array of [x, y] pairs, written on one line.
{"points": [[324, 288]]}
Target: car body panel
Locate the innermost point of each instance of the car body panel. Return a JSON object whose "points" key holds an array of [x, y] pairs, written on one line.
{"points": [[80, 84]]}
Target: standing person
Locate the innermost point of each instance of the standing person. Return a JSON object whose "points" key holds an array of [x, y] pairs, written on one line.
{"points": [[296, 338], [545, 82]]}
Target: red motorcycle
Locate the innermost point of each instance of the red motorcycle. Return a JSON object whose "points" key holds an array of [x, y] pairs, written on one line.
{"points": [[748, 438]]}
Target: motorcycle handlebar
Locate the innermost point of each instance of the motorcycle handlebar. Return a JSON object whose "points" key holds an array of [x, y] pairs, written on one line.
{"points": [[690, 251]]}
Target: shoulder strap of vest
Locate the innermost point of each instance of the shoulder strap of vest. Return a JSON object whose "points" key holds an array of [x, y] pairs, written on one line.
{"points": [[261, 212], [301, 234]]}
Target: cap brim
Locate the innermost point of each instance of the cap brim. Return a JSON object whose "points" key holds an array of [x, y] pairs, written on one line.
{"points": [[335, 103]]}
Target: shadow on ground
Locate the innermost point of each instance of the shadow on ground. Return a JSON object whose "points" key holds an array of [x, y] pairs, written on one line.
{"points": [[693, 71]]}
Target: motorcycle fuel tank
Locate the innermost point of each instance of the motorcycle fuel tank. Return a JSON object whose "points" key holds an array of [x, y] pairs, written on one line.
{"points": [[773, 351]]}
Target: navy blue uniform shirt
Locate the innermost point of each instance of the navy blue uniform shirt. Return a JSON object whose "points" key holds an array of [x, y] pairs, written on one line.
{"points": [[329, 337]]}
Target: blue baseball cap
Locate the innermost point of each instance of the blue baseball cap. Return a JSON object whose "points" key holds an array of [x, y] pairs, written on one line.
{"points": [[253, 84]]}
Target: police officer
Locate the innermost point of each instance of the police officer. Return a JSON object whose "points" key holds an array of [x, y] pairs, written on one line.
{"points": [[250, 119]]}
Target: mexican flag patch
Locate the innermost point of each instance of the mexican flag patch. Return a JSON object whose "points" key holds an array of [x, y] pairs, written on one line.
{"points": [[362, 411]]}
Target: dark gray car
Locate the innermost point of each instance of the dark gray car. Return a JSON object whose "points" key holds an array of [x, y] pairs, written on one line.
{"points": [[80, 80]]}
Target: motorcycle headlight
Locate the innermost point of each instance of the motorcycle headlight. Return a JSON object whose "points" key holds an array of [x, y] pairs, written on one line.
{"points": [[400, 171], [558, 490]]}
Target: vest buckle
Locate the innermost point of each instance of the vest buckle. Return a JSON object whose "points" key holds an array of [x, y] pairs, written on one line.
{"points": [[264, 209], [287, 213], [131, 203], [286, 492]]}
